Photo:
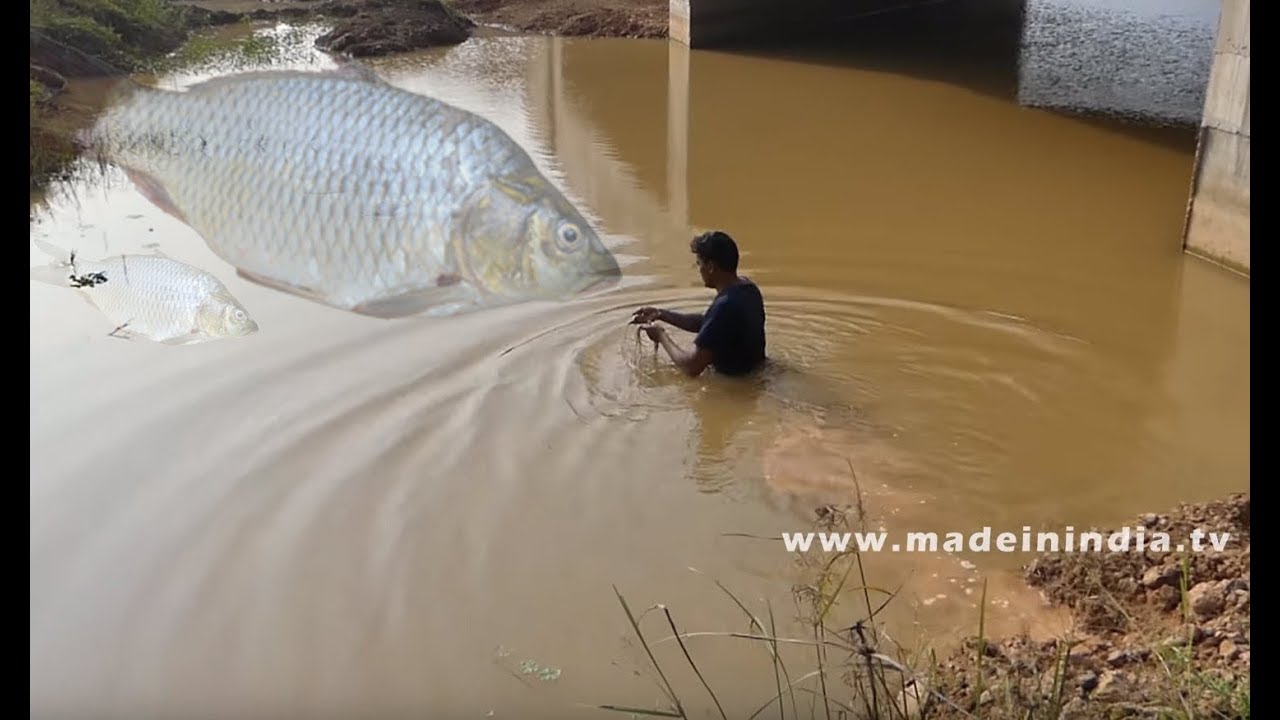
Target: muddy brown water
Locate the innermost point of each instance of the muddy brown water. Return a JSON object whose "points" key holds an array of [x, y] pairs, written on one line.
{"points": [[982, 308]]}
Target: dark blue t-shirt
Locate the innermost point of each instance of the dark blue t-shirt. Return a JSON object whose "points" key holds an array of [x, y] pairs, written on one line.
{"points": [[733, 329]]}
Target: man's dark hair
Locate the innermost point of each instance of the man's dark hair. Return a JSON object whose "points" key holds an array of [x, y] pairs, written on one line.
{"points": [[717, 247]]}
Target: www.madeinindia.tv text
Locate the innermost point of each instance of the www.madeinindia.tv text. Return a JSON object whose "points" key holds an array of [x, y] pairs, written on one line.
{"points": [[1123, 540]]}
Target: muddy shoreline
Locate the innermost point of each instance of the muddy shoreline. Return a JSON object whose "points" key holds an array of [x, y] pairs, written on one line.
{"points": [[1158, 633]]}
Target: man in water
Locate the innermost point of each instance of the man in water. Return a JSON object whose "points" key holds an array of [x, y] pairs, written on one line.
{"points": [[730, 334]]}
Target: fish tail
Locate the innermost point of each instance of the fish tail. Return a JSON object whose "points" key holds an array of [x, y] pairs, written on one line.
{"points": [[61, 257], [55, 272]]}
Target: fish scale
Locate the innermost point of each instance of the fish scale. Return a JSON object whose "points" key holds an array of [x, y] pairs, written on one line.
{"points": [[344, 189], [151, 295]]}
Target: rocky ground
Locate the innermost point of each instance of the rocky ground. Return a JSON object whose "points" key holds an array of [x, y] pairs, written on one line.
{"points": [[1159, 634]]}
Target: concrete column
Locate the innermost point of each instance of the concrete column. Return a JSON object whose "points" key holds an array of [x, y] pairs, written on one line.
{"points": [[709, 23], [678, 132], [678, 21], [1217, 226]]}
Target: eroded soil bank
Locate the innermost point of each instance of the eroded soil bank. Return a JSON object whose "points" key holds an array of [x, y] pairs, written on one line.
{"points": [[1159, 634]]}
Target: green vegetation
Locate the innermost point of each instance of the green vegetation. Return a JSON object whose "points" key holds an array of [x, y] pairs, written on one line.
{"points": [[119, 35], [227, 52], [77, 38]]}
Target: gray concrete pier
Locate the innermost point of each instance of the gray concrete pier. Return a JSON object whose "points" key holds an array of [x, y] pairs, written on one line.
{"points": [[1217, 226]]}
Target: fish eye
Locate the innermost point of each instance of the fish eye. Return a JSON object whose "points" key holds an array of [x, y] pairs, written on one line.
{"points": [[239, 314], [569, 235]]}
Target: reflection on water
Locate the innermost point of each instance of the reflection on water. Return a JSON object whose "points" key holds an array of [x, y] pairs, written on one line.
{"points": [[978, 310], [1143, 58]]}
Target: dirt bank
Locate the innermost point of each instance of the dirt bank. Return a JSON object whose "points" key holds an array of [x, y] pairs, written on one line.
{"points": [[1159, 634], [361, 28], [592, 18]]}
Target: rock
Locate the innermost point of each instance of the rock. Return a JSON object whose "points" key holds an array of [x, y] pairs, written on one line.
{"points": [[1166, 598], [1128, 586], [205, 17], [1114, 684], [385, 27], [1206, 599], [51, 80], [1087, 649], [1117, 658], [1075, 709], [1150, 520], [1089, 681], [1228, 650], [1160, 576]]}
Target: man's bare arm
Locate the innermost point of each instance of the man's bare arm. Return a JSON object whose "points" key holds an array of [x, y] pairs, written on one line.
{"points": [[689, 322], [692, 363]]}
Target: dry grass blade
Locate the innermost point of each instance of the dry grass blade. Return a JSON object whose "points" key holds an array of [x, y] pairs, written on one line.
{"points": [[671, 621], [837, 703], [753, 537], [671, 693], [749, 636], [639, 711], [773, 630], [772, 647], [982, 637], [777, 697], [831, 598], [822, 669]]}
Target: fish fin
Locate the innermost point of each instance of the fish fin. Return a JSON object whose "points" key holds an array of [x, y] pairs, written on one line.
{"points": [[56, 272], [61, 257], [51, 274], [154, 191], [191, 338], [523, 189], [431, 300], [282, 286]]}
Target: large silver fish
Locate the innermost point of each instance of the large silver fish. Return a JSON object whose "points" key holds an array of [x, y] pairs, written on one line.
{"points": [[150, 296], [339, 187]]}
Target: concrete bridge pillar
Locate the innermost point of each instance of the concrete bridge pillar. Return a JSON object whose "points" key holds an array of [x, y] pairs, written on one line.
{"points": [[678, 132], [1217, 226], [704, 23]]}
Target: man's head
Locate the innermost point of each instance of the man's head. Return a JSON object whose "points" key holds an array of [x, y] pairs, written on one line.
{"points": [[717, 257]]}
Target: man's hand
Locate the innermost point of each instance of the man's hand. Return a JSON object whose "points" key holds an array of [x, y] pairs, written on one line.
{"points": [[646, 315], [655, 332]]}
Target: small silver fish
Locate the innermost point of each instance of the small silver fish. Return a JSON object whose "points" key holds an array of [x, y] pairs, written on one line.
{"points": [[342, 188], [150, 296]]}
